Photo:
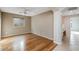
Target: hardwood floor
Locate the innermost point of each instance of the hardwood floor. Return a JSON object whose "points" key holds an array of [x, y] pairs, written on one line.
{"points": [[27, 42]]}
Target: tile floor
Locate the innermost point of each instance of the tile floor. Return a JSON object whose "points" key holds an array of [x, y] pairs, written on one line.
{"points": [[69, 45]]}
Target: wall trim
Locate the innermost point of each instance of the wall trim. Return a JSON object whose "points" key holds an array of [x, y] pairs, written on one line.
{"points": [[2, 37]]}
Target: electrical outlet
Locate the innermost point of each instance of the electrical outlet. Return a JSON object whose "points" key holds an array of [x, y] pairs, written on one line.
{"points": [[6, 33]]}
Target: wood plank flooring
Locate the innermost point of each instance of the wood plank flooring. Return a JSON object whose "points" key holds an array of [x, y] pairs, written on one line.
{"points": [[27, 42]]}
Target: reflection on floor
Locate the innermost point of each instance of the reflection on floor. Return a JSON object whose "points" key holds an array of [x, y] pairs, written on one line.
{"points": [[28, 42], [69, 45]]}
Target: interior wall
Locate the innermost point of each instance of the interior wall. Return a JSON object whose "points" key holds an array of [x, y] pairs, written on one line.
{"points": [[57, 27], [66, 26], [63, 24], [74, 23], [42, 24], [0, 25], [8, 28]]}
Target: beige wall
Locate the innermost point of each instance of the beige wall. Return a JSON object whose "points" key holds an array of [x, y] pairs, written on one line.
{"points": [[0, 25], [42, 24], [66, 23], [7, 25]]}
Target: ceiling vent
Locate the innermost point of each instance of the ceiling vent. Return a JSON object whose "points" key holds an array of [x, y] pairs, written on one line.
{"points": [[72, 8]]}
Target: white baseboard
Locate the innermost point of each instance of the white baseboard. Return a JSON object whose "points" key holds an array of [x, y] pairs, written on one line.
{"points": [[44, 36]]}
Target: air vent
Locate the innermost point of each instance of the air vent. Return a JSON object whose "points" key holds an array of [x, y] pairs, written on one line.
{"points": [[72, 8]]}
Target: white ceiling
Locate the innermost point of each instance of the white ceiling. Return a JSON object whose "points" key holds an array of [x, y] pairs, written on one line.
{"points": [[20, 10], [67, 12], [31, 11]]}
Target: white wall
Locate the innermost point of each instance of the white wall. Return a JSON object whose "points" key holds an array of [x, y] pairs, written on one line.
{"points": [[42, 24], [57, 27], [75, 23]]}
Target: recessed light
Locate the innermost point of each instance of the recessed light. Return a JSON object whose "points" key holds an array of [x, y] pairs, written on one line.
{"points": [[71, 11]]}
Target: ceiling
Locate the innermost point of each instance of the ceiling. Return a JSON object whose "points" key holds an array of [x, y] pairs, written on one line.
{"points": [[31, 11], [70, 11], [27, 11]]}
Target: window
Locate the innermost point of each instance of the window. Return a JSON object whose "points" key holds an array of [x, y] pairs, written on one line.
{"points": [[18, 22]]}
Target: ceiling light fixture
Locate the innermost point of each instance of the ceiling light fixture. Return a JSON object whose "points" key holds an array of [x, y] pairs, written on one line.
{"points": [[71, 11], [25, 11]]}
